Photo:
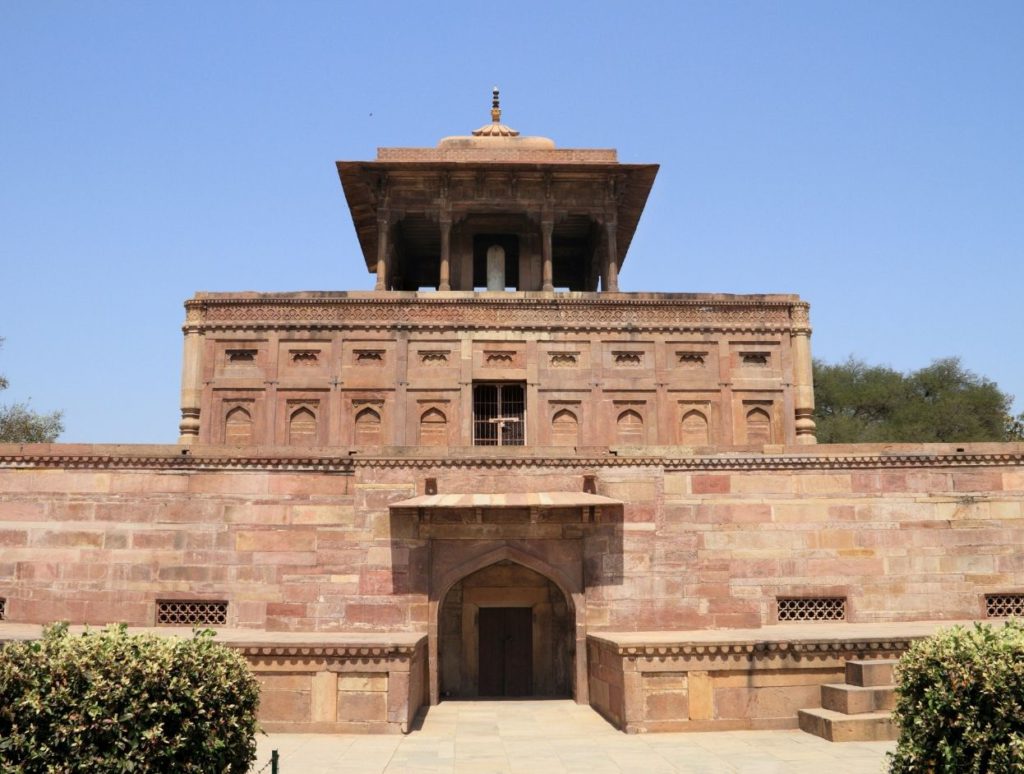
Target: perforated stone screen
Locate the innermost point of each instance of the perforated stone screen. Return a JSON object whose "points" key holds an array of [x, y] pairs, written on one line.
{"points": [[1004, 605], [3, 609], [812, 608], [184, 612]]}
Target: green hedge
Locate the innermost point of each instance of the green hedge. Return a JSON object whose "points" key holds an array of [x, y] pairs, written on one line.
{"points": [[110, 701], [960, 702]]}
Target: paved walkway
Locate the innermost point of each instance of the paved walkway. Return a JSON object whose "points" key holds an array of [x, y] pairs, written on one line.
{"points": [[542, 737]]}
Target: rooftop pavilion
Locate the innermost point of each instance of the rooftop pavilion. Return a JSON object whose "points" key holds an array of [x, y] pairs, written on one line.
{"points": [[495, 211]]}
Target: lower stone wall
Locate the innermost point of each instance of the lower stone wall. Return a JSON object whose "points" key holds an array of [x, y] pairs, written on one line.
{"points": [[331, 689], [665, 682]]}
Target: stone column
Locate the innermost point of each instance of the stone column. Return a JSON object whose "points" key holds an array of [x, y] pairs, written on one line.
{"points": [[444, 281], [383, 231], [191, 376], [547, 227], [803, 374], [611, 274]]}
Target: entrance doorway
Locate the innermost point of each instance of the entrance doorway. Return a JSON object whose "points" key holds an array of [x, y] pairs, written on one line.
{"points": [[504, 631], [506, 651]]}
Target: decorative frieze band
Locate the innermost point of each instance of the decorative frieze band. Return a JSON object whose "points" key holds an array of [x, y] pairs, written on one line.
{"points": [[468, 313], [346, 465]]}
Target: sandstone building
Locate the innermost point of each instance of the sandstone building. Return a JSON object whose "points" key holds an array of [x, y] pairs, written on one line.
{"points": [[497, 475]]}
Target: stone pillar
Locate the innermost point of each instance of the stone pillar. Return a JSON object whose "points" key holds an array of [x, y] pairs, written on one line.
{"points": [[547, 227], [383, 249], [611, 273], [495, 267], [803, 375], [191, 376], [444, 281]]}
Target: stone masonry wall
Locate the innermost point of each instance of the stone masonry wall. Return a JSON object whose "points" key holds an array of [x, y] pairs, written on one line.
{"points": [[96, 535]]}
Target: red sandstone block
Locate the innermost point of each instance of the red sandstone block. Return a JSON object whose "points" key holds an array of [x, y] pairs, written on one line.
{"points": [[21, 511], [160, 539], [191, 573], [977, 480], [251, 574], [190, 511], [375, 582], [115, 540], [38, 571], [131, 573], [285, 558], [370, 706], [376, 615], [83, 572], [13, 537], [928, 482], [276, 540], [229, 483], [255, 513], [710, 484], [285, 610], [636, 513], [736, 620], [121, 512], [8, 569], [309, 484], [148, 483], [69, 538], [294, 592], [667, 706]]}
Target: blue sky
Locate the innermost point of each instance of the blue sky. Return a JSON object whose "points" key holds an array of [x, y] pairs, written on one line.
{"points": [[868, 156]]}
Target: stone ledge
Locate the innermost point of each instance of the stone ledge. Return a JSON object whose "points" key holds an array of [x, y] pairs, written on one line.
{"points": [[802, 638], [257, 642]]}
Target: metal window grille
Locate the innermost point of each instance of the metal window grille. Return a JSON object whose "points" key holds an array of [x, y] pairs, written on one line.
{"points": [[3, 609], [1004, 605], [812, 608], [499, 414], [190, 612]]}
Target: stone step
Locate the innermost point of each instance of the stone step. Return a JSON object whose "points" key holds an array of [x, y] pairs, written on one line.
{"points": [[837, 727], [855, 699], [870, 672]]}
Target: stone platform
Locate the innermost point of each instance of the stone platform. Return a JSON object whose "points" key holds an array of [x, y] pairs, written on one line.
{"points": [[732, 679], [317, 682], [639, 681]]}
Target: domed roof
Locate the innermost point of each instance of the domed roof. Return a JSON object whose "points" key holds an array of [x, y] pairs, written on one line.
{"points": [[497, 131]]}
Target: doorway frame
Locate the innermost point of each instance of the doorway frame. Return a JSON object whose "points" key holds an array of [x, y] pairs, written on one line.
{"points": [[574, 598]]}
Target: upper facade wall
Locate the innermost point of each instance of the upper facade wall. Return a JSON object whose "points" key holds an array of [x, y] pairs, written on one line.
{"points": [[366, 370]]}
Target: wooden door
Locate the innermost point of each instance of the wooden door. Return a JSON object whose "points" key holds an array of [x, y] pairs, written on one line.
{"points": [[505, 651]]}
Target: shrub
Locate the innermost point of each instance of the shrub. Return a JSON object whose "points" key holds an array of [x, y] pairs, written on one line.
{"points": [[110, 701], [960, 703]]}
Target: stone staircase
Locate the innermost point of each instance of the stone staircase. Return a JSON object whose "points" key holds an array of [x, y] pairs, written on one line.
{"points": [[857, 710]]}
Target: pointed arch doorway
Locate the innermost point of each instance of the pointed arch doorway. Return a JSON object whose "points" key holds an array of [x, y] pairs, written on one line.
{"points": [[506, 624], [504, 631]]}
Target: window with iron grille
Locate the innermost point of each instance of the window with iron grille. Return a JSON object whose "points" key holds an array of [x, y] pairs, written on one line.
{"points": [[1004, 605], [499, 413], [190, 612], [812, 608], [3, 609]]}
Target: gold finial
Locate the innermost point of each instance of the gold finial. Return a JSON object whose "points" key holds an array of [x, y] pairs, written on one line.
{"points": [[495, 106]]}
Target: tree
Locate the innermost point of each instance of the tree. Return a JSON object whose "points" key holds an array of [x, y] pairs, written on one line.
{"points": [[20, 424], [943, 402]]}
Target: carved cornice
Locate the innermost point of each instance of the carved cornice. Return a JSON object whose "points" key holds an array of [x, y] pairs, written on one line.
{"points": [[467, 312], [345, 652], [763, 650], [348, 464]]}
